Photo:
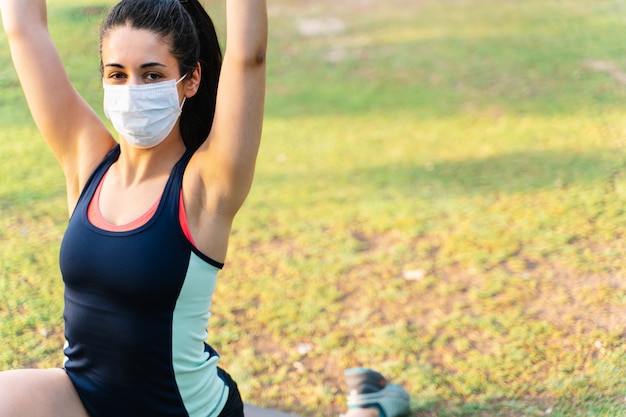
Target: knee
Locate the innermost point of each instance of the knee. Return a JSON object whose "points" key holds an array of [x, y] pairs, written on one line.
{"points": [[38, 393]]}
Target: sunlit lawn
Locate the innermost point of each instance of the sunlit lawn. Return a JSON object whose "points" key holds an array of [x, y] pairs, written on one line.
{"points": [[440, 195]]}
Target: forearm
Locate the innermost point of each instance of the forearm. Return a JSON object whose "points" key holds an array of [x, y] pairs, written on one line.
{"points": [[19, 17], [246, 30]]}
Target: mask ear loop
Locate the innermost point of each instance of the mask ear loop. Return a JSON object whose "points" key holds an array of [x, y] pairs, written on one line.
{"points": [[184, 98]]}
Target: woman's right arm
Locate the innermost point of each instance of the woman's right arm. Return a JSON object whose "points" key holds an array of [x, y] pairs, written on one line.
{"points": [[74, 132]]}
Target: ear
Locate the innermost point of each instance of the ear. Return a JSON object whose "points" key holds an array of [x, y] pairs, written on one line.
{"points": [[192, 82]]}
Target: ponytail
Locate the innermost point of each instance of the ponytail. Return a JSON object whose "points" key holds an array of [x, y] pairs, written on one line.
{"points": [[197, 117], [193, 40]]}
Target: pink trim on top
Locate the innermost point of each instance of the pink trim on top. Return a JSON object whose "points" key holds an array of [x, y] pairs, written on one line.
{"points": [[182, 218], [97, 219]]}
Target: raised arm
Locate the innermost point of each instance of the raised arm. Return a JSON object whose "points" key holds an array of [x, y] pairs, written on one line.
{"points": [[73, 131], [227, 159]]}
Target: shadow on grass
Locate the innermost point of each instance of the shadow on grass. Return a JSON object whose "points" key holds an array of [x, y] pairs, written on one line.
{"points": [[518, 172]]}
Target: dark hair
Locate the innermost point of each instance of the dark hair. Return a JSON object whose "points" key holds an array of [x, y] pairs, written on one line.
{"points": [[189, 30]]}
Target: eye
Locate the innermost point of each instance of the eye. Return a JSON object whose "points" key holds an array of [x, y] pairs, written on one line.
{"points": [[153, 76], [116, 76]]}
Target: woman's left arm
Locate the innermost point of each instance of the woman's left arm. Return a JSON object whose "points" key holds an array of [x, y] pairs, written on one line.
{"points": [[227, 159]]}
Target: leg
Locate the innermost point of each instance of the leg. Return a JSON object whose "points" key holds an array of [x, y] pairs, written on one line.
{"points": [[362, 412], [38, 393]]}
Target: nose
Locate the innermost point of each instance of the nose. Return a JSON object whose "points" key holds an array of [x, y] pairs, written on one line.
{"points": [[134, 79]]}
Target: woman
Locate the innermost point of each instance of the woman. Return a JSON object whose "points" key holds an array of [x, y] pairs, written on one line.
{"points": [[150, 215]]}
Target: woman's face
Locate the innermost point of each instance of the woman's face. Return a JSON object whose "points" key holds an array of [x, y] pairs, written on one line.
{"points": [[136, 56]]}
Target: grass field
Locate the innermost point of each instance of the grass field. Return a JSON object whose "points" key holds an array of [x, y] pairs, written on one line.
{"points": [[440, 195]]}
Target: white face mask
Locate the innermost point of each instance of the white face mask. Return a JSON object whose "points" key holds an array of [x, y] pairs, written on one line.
{"points": [[143, 114]]}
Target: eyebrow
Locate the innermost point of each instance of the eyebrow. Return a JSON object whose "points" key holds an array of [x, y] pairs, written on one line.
{"points": [[146, 65]]}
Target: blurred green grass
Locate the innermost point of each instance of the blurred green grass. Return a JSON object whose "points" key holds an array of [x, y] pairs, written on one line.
{"points": [[476, 146]]}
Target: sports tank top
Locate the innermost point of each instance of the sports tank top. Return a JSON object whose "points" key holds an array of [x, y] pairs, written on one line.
{"points": [[137, 304]]}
